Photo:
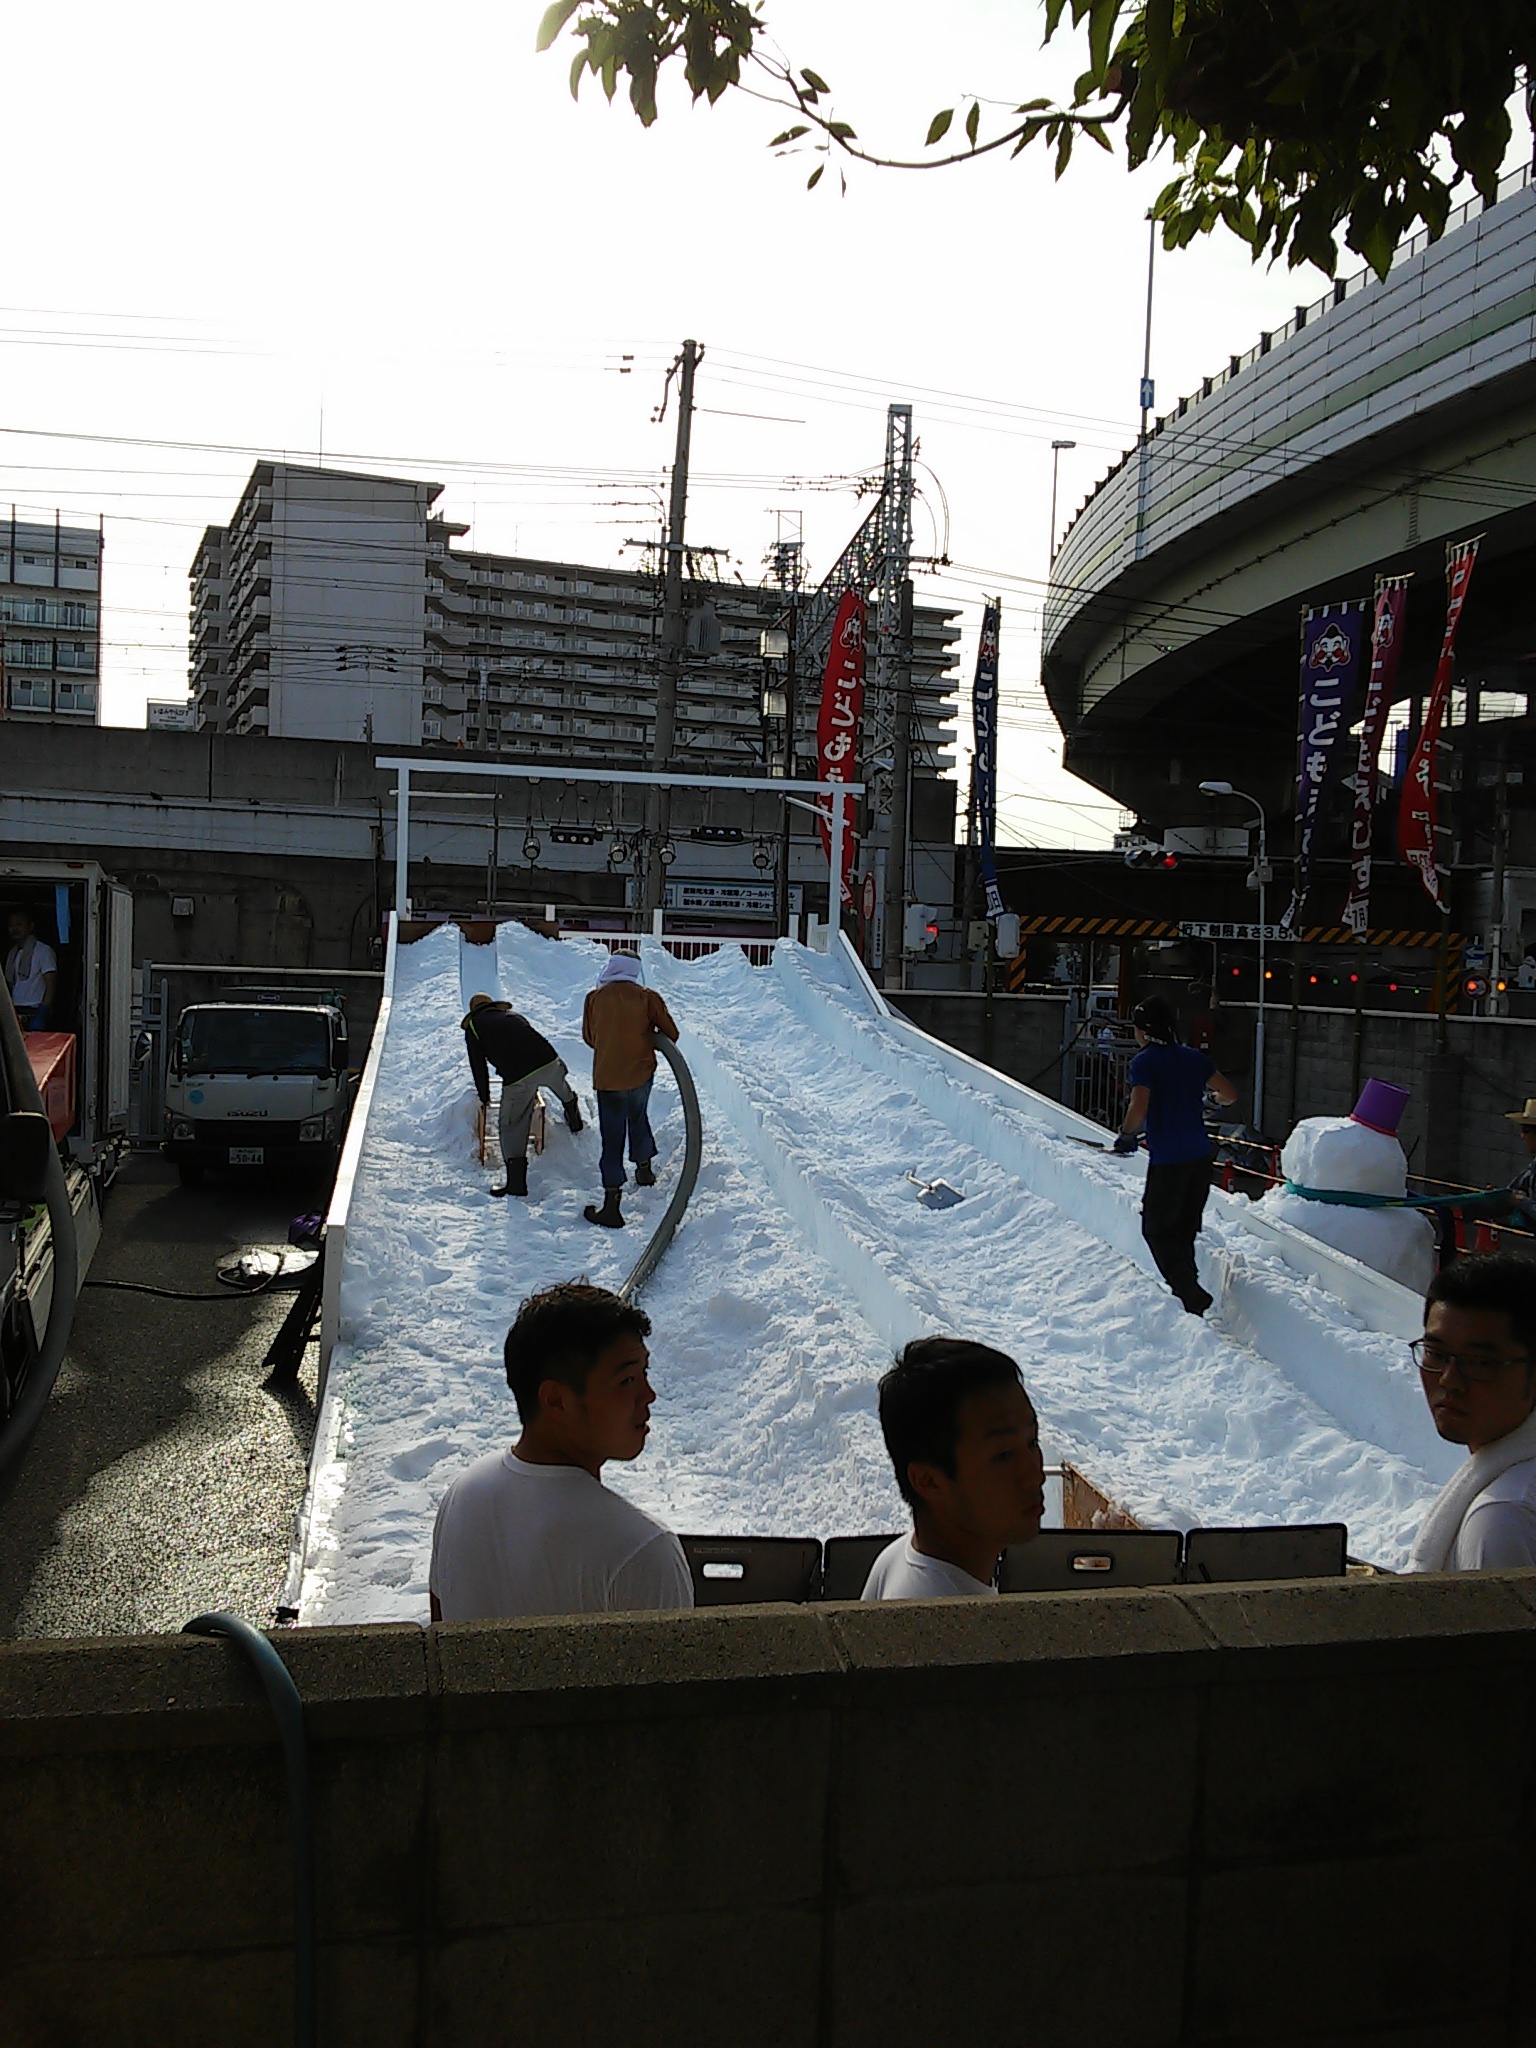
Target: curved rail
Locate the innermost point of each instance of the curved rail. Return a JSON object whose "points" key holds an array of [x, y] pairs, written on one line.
{"points": [[693, 1152]]}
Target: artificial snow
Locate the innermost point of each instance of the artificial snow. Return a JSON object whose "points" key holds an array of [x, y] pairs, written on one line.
{"points": [[1337, 1153], [803, 1262]]}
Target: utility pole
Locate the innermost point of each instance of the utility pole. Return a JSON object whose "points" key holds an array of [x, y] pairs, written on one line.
{"points": [[787, 559], [664, 743], [901, 796]]}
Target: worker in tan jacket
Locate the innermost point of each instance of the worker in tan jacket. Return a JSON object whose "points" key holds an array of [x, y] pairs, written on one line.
{"points": [[617, 1021]]}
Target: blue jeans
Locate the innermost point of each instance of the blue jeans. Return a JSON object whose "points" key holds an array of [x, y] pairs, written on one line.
{"points": [[621, 1114]]}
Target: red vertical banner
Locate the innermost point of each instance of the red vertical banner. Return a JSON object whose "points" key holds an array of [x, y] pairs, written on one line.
{"points": [[837, 725], [1386, 657], [1418, 815]]}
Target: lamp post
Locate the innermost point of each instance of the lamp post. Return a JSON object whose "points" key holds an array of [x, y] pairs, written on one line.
{"points": [[1258, 878], [1056, 448]]}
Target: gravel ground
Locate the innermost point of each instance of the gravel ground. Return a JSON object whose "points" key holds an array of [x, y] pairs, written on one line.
{"points": [[164, 1474]]}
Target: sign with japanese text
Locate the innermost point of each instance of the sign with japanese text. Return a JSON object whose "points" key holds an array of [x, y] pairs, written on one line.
{"points": [[1418, 813], [1386, 655], [1332, 636], [837, 725], [984, 760]]}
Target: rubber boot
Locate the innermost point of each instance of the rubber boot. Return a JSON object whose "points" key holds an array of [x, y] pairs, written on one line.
{"points": [[573, 1122], [516, 1182], [645, 1173], [608, 1215]]}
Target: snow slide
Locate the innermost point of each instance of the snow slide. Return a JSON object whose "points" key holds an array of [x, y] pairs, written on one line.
{"points": [[802, 1262]]}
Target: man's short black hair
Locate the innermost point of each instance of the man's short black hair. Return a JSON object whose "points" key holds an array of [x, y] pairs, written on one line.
{"points": [[559, 1335], [921, 1397], [1156, 1018], [1504, 1282]]}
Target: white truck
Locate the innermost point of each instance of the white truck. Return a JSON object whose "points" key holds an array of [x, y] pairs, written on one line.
{"points": [[260, 1078], [81, 1065]]}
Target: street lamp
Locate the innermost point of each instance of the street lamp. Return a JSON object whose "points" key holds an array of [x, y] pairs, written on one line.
{"points": [[1056, 448], [1258, 878]]}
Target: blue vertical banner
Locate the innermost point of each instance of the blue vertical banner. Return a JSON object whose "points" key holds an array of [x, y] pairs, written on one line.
{"points": [[1332, 641], [984, 742]]}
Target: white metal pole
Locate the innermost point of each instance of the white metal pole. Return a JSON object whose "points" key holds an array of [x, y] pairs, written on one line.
{"points": [[835, 865], [402, 842], [1258, 1029]]}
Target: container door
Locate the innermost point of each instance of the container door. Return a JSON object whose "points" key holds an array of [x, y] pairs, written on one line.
{"points": [[117, 1024]]}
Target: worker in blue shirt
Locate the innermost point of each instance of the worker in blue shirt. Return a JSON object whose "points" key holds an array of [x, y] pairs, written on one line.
{"points": [[1169, 1082]]}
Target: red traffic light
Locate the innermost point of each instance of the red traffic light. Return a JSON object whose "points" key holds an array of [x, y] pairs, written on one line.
{"points": [[1151, 857], [1474, 985]]}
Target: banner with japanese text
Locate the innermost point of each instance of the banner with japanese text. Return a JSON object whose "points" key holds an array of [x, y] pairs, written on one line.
{"points": [[1418, 813], [1332, 637], [984, 740], [837, 724], [1386, 657]]}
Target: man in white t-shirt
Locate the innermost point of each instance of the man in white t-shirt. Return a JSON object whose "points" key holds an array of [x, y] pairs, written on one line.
{"points": [[31, 972], [965, 1443], [1477, 1365], [533, 1529]]}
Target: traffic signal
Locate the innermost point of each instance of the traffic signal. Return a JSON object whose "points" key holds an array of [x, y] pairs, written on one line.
{"points": [[920, 931], [1008, 935], [1157, 857], [1474, 987]]}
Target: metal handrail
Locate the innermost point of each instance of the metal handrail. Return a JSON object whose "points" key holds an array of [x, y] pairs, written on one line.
{"points": [[693, 1152]]}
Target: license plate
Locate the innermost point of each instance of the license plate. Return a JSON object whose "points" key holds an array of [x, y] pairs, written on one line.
{"points": [[247, 1155]]}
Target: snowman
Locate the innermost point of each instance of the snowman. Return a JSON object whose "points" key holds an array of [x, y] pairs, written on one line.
{"points": [[1357, 1154]]}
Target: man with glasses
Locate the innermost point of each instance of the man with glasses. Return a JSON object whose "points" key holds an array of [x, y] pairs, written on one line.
{"points": [[1477, 1365]]}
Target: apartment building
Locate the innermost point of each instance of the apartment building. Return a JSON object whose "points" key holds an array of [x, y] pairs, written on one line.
{"points": [[50, 621], [307, 609], [339, 606]]}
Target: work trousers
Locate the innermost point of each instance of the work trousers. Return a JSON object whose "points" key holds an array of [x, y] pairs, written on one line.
{"points": [[515, 1119], [621, 1114], [1171, 1208]]}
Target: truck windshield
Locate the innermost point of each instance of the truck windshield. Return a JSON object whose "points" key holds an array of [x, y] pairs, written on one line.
{"points": [[254, 1042]]}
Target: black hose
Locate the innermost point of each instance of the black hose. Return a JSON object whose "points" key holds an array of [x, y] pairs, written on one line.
{"points": [[288, 1712], [693, 1151], [232, 1292], [38, 1384]]}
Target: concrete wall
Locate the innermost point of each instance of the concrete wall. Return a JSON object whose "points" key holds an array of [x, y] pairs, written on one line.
{"points": [[1267, 1815], [1454, 1128]]}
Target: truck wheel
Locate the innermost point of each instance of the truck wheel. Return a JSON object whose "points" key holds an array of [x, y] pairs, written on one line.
{"points": [[190, 1172]]}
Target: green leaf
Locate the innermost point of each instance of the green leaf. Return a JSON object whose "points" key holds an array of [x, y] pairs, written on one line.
{"points": [[790, 135], [555, 18], [817, 84], [1101, 33], [815, 178], [840, 131], [973, 122], [938, 127]]}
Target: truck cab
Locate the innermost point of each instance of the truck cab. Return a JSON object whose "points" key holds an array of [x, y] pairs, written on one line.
{"points": [[258, 1079]]}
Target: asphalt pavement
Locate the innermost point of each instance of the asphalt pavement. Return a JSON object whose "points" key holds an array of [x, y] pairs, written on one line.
{"points": [[163, 1477]]}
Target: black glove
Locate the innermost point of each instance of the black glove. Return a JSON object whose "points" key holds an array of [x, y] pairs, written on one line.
{"points": [[1127, 1141]]}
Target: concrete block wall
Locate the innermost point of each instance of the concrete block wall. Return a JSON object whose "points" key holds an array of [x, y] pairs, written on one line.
{"points": [[1256, 1815], [1454, 1126], [1022, 1040], [1453, 1129]]}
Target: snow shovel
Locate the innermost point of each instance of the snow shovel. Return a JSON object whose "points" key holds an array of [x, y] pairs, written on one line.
{"points": [[935, 1194], [480, 1133]]}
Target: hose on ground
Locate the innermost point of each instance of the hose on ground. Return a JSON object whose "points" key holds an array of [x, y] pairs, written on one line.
{"points": [[693, 1152], [288, 1712], [38, 1385]]}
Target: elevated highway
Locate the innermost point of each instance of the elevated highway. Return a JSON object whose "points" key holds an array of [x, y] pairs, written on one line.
{"points": [[1380, 422]]}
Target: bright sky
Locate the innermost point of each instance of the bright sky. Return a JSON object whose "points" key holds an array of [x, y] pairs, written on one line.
{"points": [[396, 218]]}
